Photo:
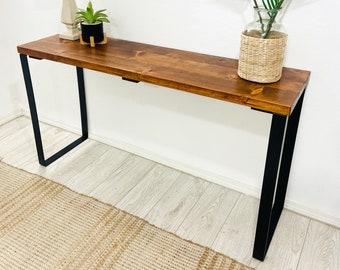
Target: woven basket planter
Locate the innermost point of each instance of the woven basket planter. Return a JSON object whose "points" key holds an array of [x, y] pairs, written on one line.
{"points": [[260, 59]]}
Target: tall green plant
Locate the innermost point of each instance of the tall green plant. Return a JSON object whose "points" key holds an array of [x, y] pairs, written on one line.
{"points": [[272, 7]]}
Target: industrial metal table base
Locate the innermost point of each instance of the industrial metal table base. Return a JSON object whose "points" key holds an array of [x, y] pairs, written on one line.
{"points": [[35, 119], [276, 174]]}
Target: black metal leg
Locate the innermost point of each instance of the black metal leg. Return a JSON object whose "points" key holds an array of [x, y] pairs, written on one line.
{"points": [[279, 158], [35, 119], [82, 102]]}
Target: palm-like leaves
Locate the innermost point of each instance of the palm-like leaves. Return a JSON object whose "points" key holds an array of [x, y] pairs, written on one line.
{"points": [[270, 4], [90, 16]]}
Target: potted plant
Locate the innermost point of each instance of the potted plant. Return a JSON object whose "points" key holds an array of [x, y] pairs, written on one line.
{"points": [[263, 44], [91, 23]]}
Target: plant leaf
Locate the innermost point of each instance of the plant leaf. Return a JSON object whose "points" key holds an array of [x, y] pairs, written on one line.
{"points": [[90, 16], [105, 20]]}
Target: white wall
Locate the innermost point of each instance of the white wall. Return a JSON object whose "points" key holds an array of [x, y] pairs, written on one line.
{"points": [[9, 103], [224, 143]]}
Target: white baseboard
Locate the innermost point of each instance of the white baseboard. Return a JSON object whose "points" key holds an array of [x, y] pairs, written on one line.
{"points": [[312, 213], [9, 117], [45, 119], [187, 168], [217, 179]]}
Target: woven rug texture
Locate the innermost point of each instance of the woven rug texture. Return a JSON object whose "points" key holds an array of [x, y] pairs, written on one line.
{"points": [[45, 225]]}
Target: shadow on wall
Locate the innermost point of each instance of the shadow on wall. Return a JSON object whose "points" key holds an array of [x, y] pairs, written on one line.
{"points": [[150, 99]]}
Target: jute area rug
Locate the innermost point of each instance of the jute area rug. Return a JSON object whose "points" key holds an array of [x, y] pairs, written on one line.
{"points": [[45, 225]]}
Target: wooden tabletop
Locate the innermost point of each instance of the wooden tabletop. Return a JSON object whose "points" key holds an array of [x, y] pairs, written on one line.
{"points": [[201, 74]]}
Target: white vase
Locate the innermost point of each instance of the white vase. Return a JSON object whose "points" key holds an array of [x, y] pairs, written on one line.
{"points": [[68, 16]]}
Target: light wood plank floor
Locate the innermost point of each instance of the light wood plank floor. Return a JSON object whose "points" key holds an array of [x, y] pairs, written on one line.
{"points": [[193, 208]]}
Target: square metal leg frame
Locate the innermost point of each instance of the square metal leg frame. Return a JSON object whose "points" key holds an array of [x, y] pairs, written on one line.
{"points": [[35, 119], [275, 180]]}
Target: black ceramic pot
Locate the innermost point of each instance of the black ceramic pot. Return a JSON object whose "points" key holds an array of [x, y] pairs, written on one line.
{"points": [[94, 30]]}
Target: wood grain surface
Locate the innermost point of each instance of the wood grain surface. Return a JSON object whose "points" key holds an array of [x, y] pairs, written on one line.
{"points": [[206, 75]]}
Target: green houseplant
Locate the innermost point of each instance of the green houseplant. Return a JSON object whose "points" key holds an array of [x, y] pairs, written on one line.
{"points": [[263, 44], [91, 23]]}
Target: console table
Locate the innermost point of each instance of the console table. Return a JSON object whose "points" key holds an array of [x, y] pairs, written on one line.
{"points": [[206, 75]]}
